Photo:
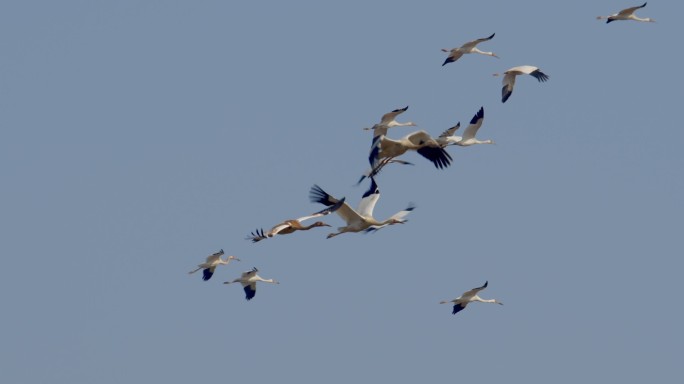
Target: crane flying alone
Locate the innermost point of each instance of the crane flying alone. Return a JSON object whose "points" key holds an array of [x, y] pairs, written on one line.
{"points": [[289, 226], [468, 297], [211, 263], [509, 78], [626, 14], [469, 47], [249, 280], [362, 218]]}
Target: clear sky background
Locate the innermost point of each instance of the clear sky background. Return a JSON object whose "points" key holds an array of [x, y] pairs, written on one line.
{"points": [[136, 138]]}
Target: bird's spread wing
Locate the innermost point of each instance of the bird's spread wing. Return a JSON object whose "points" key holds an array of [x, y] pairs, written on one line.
{"points": [[468, 294], [214, 256], [398, 216], [250, 290], [630, 10], [458, 308], [539, 75], [207, 273], [471, 44], [370, 197], [325, 211], [256, 236], [248, 274], [454, 55], [475, 124], [508, 83], [450, 131], [318, 195], [390, 116], [430, 149]]}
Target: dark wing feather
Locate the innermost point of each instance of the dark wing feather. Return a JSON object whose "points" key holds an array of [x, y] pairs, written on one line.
{"points": [[207, 273], [458, 308], [249, 292], [439, 157], [539, 75]]}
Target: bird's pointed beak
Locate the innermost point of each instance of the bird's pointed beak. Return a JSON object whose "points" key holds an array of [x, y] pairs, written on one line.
{"points": [[226, 282], [237, 259]]}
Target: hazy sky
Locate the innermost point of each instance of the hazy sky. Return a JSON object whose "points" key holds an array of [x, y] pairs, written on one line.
{"points": [[138, 137]]}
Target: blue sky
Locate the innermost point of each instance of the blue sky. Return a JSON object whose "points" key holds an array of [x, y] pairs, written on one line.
{"points": [[139, 137]]}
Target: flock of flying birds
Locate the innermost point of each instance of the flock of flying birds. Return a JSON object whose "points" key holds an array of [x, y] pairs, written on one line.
{"points": [[385, 151]]}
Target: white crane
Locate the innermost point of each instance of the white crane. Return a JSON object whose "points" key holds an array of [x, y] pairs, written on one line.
{"points": [[289, 226], [211, 263], [468, 297], [362, 218], [469, 47], [626, 14], [448, 138], [509, 78], [249, 280], [388, 120]]}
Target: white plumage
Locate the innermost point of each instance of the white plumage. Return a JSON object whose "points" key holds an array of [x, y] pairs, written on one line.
{"points": [[468, 297], [469, 47], [249, 281], [211, 263], [509, 78]]}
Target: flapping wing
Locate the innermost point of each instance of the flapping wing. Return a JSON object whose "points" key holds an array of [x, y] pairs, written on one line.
{"points": [[471, 44], [325, 211], [450, 131], [214, 257], [390, 116], [458, 308], [630, 10], [454, 55], [370, 197], [508, 83], [207, 273], [250, 290], [318, 195], [539, 75], [398, 216], [257, 236], [475, 124], [468, 294]]}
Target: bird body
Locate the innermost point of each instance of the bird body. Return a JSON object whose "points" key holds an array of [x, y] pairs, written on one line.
{"points": [[290, 226], [469, 47], [362, 218], [468, 297], [249, 280], [509, 78], [210, 264], [448, 138], [626, 14]]}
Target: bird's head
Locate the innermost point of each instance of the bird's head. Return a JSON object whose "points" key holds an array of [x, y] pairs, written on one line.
{"points": [[321, 224], [397, 221], [494, 55], [650, 20], [498, 302], [233, 258], [444, 302], [446, 50]]}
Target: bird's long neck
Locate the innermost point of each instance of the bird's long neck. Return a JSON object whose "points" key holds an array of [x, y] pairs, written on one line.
{"points": [[266, 280], [307, 227], [481, 300], [637, 18], [396, 124], [476, 50]]}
